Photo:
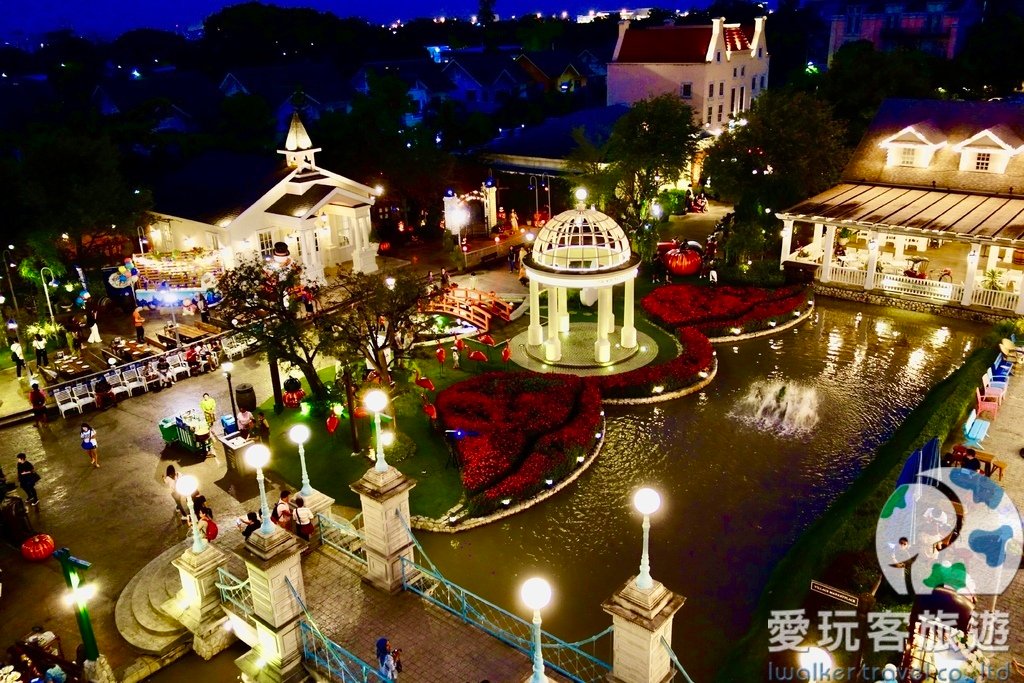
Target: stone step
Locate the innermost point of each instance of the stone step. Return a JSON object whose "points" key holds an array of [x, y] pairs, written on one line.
{"points": [[146, 629], [164, 586], [153, 620]]}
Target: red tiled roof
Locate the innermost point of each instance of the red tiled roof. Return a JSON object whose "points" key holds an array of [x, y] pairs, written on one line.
{"points": [[665, 44], [736, 38]]}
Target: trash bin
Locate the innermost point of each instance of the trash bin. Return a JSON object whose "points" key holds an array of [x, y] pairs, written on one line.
{"points": [[245, 397], [228, 423], [169, 430]]}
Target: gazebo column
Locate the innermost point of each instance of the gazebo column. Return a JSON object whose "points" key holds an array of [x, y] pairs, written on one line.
{"points": [[899, 244], [602, 347], [535, 333], [787, 243], [993, 258], [816, 238], [628, 336], [872, 264], [826, 253], [553, 346], [563, 309], [972, 269]]}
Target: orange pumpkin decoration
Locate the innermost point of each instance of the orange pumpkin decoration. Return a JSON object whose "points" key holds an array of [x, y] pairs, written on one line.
{"points": [[682, 262], [37, 548]]}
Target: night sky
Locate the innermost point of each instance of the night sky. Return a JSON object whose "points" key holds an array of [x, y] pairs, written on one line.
{"points": [[108, 18]]}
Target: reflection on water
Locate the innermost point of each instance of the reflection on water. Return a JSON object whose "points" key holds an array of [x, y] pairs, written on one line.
{"points": [[781, 407], [735, 496]]}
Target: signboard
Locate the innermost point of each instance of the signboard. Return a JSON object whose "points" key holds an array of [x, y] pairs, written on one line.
{"points": [[834, 593]]}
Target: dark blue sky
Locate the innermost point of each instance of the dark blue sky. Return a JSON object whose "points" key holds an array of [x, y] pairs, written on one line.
{"points": [[110, 17]]}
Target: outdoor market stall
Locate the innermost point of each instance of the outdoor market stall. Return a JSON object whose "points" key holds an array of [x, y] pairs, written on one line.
{"points": [[188, 430]]}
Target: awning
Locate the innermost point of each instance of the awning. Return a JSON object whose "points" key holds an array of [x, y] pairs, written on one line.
{"points": [[900, 210]]}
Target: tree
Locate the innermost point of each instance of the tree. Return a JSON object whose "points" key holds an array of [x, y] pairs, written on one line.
{"points": [[650, 146], [371, 317], [485, 12]]}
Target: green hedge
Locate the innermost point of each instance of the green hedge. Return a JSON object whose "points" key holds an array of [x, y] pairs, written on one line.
{"points": [[848, 526]]}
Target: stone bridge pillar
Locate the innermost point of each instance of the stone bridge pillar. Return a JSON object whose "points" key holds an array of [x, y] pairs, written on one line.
{"points": [[383, 497], [197, 607], [641, 618], [270, 559]]}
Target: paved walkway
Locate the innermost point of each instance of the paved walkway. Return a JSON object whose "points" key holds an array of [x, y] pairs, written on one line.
{"points": [[1005, 439]]}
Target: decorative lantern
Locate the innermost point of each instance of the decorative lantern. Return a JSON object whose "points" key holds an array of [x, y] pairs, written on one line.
{"points": [[37, 548]]}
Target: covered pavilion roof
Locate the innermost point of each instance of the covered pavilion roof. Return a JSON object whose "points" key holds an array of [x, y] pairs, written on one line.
{"points": [[965, 216]]}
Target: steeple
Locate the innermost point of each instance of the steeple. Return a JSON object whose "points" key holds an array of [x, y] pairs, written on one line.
{"points": [[298, 148]]}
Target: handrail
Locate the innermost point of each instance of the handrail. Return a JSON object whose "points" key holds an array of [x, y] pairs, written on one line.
{"points": [[235, 590], [347, 527], [675, 660], [416, 543]]}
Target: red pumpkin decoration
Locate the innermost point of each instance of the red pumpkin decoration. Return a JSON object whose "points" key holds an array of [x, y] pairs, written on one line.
{"points": [[506, 354], [37, 548], [665, 247], [385, 246], [682, 262], [332, 423], [486, 339], [478, 356], [440, 354]]}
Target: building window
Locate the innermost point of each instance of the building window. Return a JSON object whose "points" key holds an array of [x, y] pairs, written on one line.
{"points": [[982, 161], [212, 241], [711, 89], [686, 90], [732, 101], [720, 107], [762, 81], [743, 98], [266, 243], [721, 89], [853, 20], [718, 56], [908, 156], [743, 71], [753, 83], [734, 72], [711, 113]]}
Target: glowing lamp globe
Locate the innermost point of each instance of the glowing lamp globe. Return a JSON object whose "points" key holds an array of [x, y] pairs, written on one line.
{"points": [[646, 501], [299, 434], [257, 456], [375, 401], [581, 194], [387, 439], [536, 593], [186, 485], [815, 661]]}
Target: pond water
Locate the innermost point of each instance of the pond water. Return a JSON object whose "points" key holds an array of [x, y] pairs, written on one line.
{"points": [[743, 467]]}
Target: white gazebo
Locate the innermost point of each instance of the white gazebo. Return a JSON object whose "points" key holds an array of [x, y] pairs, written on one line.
{"points": [[581, 249]]}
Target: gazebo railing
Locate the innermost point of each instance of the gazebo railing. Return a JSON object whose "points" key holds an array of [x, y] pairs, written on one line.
{"points": [[995, 298], [849, 276], [926, 289]]}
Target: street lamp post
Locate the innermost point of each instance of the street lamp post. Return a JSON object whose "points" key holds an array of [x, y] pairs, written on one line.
{"points": [[257, 456], [536, 593], [174, 318], [80, 594], [646, 501], [299, 434], [8, 264], [186, 486], [376, 401], [228, 367], [46, 291], [536, 197], [546, 180]]}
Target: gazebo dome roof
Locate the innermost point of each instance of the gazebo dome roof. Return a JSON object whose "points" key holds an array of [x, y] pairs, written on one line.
{"points": [[580, 241]]}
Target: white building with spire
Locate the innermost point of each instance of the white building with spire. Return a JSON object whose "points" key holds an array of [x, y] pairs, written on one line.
{"points": [[222, 206]]}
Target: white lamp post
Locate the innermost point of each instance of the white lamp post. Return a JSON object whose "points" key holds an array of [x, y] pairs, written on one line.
{"points": [[536, 593], [646, 501], [257, 456], [299, 434], [186, 486], [52, 283], [376, 401]]}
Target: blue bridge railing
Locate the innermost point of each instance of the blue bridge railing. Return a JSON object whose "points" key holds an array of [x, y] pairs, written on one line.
{"points": [[675, 661], [235, 590], [344, 535]]}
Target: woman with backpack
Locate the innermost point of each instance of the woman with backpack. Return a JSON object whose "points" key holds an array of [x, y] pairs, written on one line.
{"points": [[303, 519], [207, 527]]}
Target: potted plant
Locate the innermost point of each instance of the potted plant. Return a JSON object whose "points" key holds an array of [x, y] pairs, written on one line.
{"points": [[993, 279], [845, 235]]}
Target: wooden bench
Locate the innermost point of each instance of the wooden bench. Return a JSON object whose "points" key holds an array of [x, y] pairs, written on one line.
{"points": [[975, 430]]}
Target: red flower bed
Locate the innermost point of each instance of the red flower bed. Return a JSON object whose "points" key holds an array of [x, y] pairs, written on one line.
{"points": [[690, 305], [517, 428], [681, 371]]}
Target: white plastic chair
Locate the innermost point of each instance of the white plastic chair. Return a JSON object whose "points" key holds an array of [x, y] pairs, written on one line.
{"points": [[179, 366], [233, 349], [133, 381], [66, 403], [83, 396], [116, 385]]}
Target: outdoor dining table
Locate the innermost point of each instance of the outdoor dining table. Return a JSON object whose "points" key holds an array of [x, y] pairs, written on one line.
{"points": [[72, 367], [991, 465], [186, 333], [128, 350]]}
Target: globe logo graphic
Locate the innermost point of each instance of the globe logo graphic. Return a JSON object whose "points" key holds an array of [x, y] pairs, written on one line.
{"points": [[950, 527]]}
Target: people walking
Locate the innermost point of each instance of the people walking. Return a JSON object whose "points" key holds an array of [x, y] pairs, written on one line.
{"points": [[140, 330], [39, 344], [209, 408], [261, 428], [37, 398], [455, 359], [207, 527], [203, 308], [27, 479], [88, 435], [386, 659], [303, 519], [94, 328], [180, 504], [18, 355]]}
